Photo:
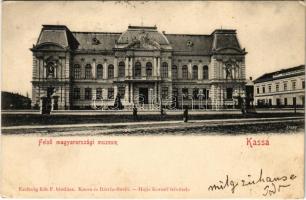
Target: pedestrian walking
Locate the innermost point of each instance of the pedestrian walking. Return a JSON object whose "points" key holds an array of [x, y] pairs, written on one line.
{"points": [[135, 116], [185, 114]]}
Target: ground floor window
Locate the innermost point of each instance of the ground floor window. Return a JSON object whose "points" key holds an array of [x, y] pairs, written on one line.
{"points": [[278, 102], [76, 93], [195, 93], [229, 93], [285, 101], [185, 93], [99, 93], [270, 102], [164, 92], [121, 92], [88, 94], [205, 94], [110, 93]]}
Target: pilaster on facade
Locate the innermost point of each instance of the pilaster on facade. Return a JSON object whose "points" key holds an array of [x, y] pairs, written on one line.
{"points": [[105, 70], [127, 67], [115, 67], [189, 70], [200, 71], [94, 69]]}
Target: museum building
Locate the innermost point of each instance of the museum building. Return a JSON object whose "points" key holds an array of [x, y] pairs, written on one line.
{"points": [[141, 66], [282, 88]]}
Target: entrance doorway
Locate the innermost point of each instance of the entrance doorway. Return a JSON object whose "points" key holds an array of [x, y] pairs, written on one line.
{"points": [[143, 96]]}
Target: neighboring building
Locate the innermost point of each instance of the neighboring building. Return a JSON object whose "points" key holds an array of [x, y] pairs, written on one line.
{"points": [[82, 70], [283, 88]]}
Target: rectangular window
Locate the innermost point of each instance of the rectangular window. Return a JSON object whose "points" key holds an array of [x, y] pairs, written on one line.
{"points": [[257, 90], [99, 93], [303, 84], [270, 88], [76, 93], [164, 92], [121, 92], [195, 93], [110, 93], [229, 93], [270, 102], [175, 92], [185, 93], [88, 94], [205, 94], [294, 101], [293, 85], [277, 87], [285, 86], [285, 101]]}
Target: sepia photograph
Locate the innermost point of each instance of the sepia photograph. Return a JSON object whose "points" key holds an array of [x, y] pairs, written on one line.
{"points": [[153, 99]]}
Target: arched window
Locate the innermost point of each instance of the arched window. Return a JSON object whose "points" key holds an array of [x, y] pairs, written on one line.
{"points": [[195, 72], [88, 72], [99, 71], [184, 72], [149, 69], [77, 71], [205, 72], [121, 70], [174, 72], [137, 71], [110, 71], [164, 72]]}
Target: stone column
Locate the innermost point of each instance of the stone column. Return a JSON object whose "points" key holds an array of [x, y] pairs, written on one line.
{"points": [[132, 93], [200, 71], [105, 70], [143, 71], [131, 67], [170, 69], [127, 67], [94, 68], [115, 67], [179, 71], [115, 91], [154, 66], [189, 71], [158, 66], [126, 95], [67, 66]]}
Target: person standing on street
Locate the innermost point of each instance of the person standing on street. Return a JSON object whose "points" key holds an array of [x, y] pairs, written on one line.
{"points": [[135, 117], [185, 114]]}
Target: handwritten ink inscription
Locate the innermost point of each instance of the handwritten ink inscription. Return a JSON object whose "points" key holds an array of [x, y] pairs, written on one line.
{"points": [[271, 185]]}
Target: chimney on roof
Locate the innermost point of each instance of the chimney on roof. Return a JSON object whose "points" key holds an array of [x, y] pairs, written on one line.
{"points": [[164, 32], [251, 78]]}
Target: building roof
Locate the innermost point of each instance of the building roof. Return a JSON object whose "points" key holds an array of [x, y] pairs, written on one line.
{"points": [[191, 44], [96, 40], [140, 37], [283, 73]]}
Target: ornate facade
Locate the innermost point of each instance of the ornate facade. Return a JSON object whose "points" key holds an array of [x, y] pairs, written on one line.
{"points": [[142, 66]]}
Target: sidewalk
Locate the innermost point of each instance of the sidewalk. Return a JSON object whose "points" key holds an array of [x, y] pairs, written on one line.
{"points": [[150, 123]]}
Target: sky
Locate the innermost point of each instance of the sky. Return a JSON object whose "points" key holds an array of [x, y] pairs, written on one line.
{"points": [[273, 33]]}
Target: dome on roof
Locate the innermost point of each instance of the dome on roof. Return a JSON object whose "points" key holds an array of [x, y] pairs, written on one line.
{"points": [[142, 33]]}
